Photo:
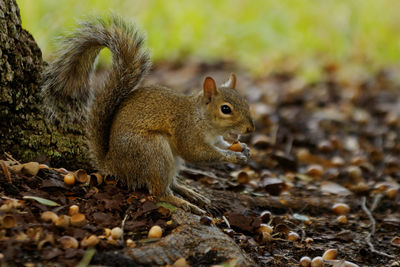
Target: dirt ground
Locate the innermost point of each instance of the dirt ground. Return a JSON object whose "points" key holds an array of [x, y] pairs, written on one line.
{"points": [[324, 174]]}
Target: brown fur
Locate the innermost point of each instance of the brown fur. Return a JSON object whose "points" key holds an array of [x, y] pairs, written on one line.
{"points": [[141, 135]]}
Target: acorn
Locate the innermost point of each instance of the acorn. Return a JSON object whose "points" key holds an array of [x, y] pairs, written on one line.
{"points": [[265, 216], [317, 262], [116, 233], [265, 228], [74, 209], [49, 216], [68, 242], [78, 220], [305, 261], [342, 219], [7, 221], [391, 193], [293, 236], [69, 179], [130, 243], [81, 176], [43, 166], [330, 254], [181, 263], [97, 177], [107, 232], [155, 232], [63, 221], [90, 241], [236, 146], [315, 171], [6, 207], [308, 240], [31, 168], [341, 208]]}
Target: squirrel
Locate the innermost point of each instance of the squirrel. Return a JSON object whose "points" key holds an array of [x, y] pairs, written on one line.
{"points": [[142, 135]]}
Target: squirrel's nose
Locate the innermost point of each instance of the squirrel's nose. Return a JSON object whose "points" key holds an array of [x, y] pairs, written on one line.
{"points": [[250, 128]]}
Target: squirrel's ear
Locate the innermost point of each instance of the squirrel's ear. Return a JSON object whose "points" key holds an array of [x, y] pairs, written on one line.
{"points": [[209, 88], [231, 83]]}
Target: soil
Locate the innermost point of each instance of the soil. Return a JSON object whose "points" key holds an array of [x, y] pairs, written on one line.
{"points": [[324, 174]]}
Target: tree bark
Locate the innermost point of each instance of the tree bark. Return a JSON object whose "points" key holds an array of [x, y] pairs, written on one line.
{"points": [[24, 131]]}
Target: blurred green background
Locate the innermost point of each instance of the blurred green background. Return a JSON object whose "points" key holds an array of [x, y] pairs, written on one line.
{"points": [[260, 35]]}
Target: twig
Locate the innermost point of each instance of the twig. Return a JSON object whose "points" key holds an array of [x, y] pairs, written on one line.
{"points": [[5, 171], [226, 221], [123, 222], [11, 158], [377, 199], [274, 134], [373, 229]]}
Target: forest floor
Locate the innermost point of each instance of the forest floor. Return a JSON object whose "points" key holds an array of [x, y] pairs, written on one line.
{"points": [[325, 156]]}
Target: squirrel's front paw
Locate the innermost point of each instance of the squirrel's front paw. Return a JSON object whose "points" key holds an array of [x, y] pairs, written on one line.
{"points": [[239, 158], [245, 150]]}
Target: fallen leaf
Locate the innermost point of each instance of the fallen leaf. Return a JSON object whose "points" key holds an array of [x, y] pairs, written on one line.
{"points": [[334, 188], [42, 201]]}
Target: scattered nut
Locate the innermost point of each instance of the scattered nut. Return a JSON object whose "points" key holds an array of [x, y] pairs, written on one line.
{"points": [[330, 254], [293, 236], [265, 216], [337, 161], [22, 237], [68, 242], [78, 220], [107, 232], [354, 172], [155, 232], [309, 240], [43, 166], [181, 263], [341, 208], [265, 237], [395, 241], [7, 221], [90, 241], [265, 228], [317, 262], [81, 176], [315, 171], [130, 243], [116, 233], [391, 193], [325, 146], [63, 221], [69, 179], [74, 209], [236, 146], [6, 207], [305, 261], [97, 177], [31, 168], [342, 219], [49, 216]]}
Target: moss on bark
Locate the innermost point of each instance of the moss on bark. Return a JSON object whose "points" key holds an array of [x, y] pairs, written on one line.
{"points": [[24, 131]]}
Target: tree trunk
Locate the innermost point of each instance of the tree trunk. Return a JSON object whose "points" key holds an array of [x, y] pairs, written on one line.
{"points": [[24, 131]]}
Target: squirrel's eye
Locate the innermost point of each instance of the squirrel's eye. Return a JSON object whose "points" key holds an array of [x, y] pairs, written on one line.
{"points": [[226, 109]]}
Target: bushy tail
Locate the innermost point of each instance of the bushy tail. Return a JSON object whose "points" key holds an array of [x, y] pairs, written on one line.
{"points": [[67, 91]]}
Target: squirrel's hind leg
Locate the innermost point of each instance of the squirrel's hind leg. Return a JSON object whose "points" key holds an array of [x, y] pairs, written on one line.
{"points": [[181, 203], [156, 166]]}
